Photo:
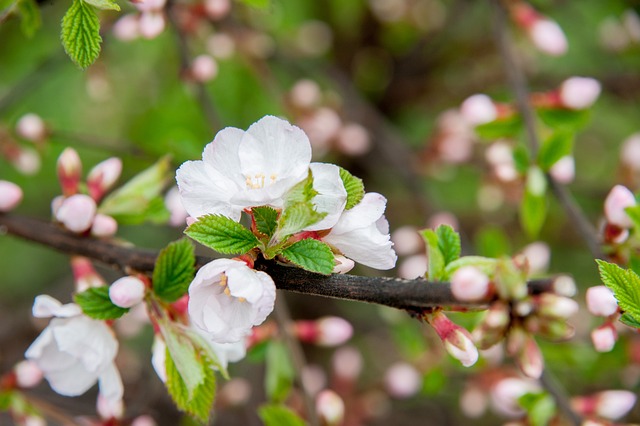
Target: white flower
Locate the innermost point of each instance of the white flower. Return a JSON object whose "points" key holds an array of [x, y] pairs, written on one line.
{"points": [[331, 198], [245, 169], [362, 233], [227, 298], [75, 351]]}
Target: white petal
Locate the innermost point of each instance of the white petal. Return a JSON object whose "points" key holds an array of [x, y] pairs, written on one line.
{"points": [[266, 304], [46, 306], [332, 196], [222, 154], [89, 341], [158, 357], [111, 384], [72, 381], [366, 212], [366, 246], [244, 283]]}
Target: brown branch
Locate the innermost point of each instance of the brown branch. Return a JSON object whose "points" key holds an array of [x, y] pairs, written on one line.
{"points": [[410, 295]]}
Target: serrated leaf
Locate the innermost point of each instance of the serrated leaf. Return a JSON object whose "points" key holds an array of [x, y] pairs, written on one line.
{"points": [[629, 320], [104, 4], [435, 267], [199, 402], [311, 255], [533, 212], [174, 270], [81, 33], [279, 372], [95, 303], [30, 17], [297, 217], [222, 234], [508, 127], [449, 243], [625, 285], [301, 192], [266, 219], [558, 145], [279, 415], [354, 188]]}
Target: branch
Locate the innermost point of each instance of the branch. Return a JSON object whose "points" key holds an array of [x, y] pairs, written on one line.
{"points": [[410, 295]]}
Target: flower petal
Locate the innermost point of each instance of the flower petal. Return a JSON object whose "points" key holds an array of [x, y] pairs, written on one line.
{"points": [[332, 196]]}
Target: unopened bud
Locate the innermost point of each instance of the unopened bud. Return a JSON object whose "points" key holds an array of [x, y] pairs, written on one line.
{"points": [[10, 195], [406, 240], [327, 331], [33, 420], [127, 28], [236, 392], [506, 393], [457, 341], [330, 407], [77, 212], [473, 402], [630, 152], [564, 170], [144, 420], [104, 226], [478, 109], [84, 274], [617, 201], [102, 177], [221, 46], [353, 139], [402, 380], [601, 301], [538, 256], [611, 404], [555, 306], [31, 127], [579, 92], [343, 264], [305, 93], [127, 292], [27, 161], [536, 181], [413, 267], [69, 171], [204, 68], [217, 9], [529, 358], [313, 378], [149, 5], [347, 363], [109, 409], [565, 286], [28, 374], [548, 37], [151, 24], [604, 337], [469, 284]]}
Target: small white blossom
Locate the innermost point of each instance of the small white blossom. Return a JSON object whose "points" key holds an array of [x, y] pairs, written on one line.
{"points": [[227, 298]]}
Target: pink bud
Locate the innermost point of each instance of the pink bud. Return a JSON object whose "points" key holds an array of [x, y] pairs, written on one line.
{"points": [[353, 139], [151, 24], [406, 240], [127, 292], [69, 171], [478, 109], [305, 93], [614, 404], [313, 378], [108, 409], [457, 341], [102, 177], [413, 267], [150, 5], [601, 301], [104, 226], [330, 407], [27, 161], [530, 359], [565, 286], [617, 201], [84, 274], [28, 374], [402, 380], [473, 402], [469, 284], [217, 9], [604, 337], [221, 46], [548, 37], [579, 92], [10, 195], [442, 218], [327, 331], [347, 363], [77, 212], [343, 264], [236, 392], [204, 68], [144, 420], [322, 126], [127, 28], [173, 203], [564, 170], [538, 255], [630, 152], [555, 306], [31, 127]]}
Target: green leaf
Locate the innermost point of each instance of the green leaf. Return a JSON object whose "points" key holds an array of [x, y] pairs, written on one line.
{"points": [[558, 145], [301, 192], [311, 255], [174, 270], [435, 268], [30, 17], [199, 401], [541, 407], [492, 241], [279, 374], [521, 158], [81, 33], [6, 6], [627, 319], [222, 234], [297, 217], [95, 302], [625, 285], [185, 354], [279, 415], [104, 4], [266, 219], [260, 4], [508, 127], [634, 214], [140, 198], [568, 119], [533, 212], [448, 243], [354, 188]]}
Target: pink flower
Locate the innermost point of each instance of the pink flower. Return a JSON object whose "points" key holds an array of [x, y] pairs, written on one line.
{"points": [[617, 201], [10, 196]]}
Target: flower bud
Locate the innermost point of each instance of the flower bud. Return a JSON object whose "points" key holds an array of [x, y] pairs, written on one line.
{"points": [[538, 255], [413, 267], [617, 201], [31, 127], [28, 374], [554, 306], [611, 404], [217, 9], [108, 409], [305, 93], [102, 177], [347, 363], [506, 393], [77, 212], [204, 68], [406, 240], [565, 286], [579, 92], [402, 380], [548, 37], [473, 402], [10, 195], [149, 5], [221, 46], [343, 264], [69, 171], [26, 161], [144, 420], [457, 341], [601, 301], [127, 292], [151, 24], [353, 139], [604, 337], [84, 274], [529, 358], [469, 284], [127, 28], [536, 181], [33, 420], [330, 407], [564, 170], [630, 152], [236, 392], [327, 331], [478, 109], [104, 226], [313, 378]]}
